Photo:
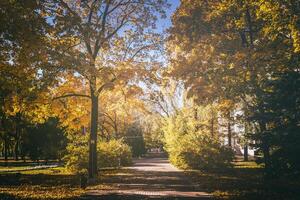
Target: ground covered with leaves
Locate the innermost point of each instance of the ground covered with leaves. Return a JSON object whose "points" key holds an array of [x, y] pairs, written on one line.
{"points": [[54, 183], [246, 182]]}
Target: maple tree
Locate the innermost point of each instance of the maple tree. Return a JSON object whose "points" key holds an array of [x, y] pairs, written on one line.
{"points": [[105, 42]]}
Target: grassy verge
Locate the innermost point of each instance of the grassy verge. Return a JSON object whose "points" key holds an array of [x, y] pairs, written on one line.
{"points": [[54, 183], [46, 184], [246, 182]]}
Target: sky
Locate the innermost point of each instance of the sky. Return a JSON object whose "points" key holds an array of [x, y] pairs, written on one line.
{"points": [[163, 24]]}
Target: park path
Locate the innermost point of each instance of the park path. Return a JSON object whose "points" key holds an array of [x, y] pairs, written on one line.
{"points": [[148, 178]]}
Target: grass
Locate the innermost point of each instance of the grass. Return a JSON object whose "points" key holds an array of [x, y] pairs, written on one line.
{"points": [[44, 184], [24, 168], [13, 168], [20, 165], [54, 183], [246, 182]]}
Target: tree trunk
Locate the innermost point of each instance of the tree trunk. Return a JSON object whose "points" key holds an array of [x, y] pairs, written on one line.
{"points": [[17, 150], [229, 133], [93, 137], [5, 149], [246, 152], [116, 125], [266, 152], [196, 118], [23, 157], [265, 147], [17, 138], [212, 127]]}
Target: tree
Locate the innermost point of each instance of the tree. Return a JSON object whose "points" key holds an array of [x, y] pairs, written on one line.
{"points": [[135, 139], [226, 51], [23, 90], [44, 141], [189, 141], [103, 41]]}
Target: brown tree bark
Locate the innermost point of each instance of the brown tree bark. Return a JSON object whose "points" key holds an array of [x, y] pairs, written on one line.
{"points": [[246, 152], [16, 150], [229, 133], [92, 170], [17, 138], [212, 127], [5, 149], [265, 146]]}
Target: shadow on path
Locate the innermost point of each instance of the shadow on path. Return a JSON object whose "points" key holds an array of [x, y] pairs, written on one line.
{"points": [[149, 178]]}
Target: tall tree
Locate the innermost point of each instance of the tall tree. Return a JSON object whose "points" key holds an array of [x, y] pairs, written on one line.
{"points": [[105, 42], [234, 50], [23, 51]]}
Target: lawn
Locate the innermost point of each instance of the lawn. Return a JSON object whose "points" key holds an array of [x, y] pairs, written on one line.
{"points": [[246, 182], [52, 183]]}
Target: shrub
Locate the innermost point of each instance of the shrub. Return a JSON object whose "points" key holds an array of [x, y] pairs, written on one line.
{"points": [[77, 154], [191, 145], [200, 151], [135, 139], [114, 153]]}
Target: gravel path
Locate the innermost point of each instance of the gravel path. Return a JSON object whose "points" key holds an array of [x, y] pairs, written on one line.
{"points": [[149, 178]]}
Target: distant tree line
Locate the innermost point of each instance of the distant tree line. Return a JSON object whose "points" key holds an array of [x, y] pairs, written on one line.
{"points": [[46, 141]]}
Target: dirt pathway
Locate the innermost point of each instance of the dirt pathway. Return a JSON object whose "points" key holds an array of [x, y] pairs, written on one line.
{"points": [[149, 178]]}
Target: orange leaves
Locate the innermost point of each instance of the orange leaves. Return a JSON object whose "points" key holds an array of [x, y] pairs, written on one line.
{"points": [[73, 110], [226, 105]]}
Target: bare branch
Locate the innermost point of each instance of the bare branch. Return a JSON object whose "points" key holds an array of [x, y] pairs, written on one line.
{"points": [[164, 110], [105, 85], [101, 33], [121, 3], [71, 95], [138, 51]]}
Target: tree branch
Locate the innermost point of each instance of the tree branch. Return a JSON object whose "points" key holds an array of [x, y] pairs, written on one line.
{"points": [[102, 31], [71, 95], [105, 84]]}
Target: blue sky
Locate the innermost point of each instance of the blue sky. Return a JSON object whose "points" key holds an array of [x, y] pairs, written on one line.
{"points": [[163, 24]]}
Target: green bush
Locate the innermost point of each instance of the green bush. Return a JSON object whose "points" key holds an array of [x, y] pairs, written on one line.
{"points": [[135, 139], [190, 144], [77, 154], [200, 151], [114, 153]]}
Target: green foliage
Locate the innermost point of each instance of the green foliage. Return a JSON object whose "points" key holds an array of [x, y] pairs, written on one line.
{"points": [[200, 151], [154, 138], [280, 109], [135, 139], [114, 153], [44, 141], [192, 146], [77, 153], [24, 82], [246, 52]]}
